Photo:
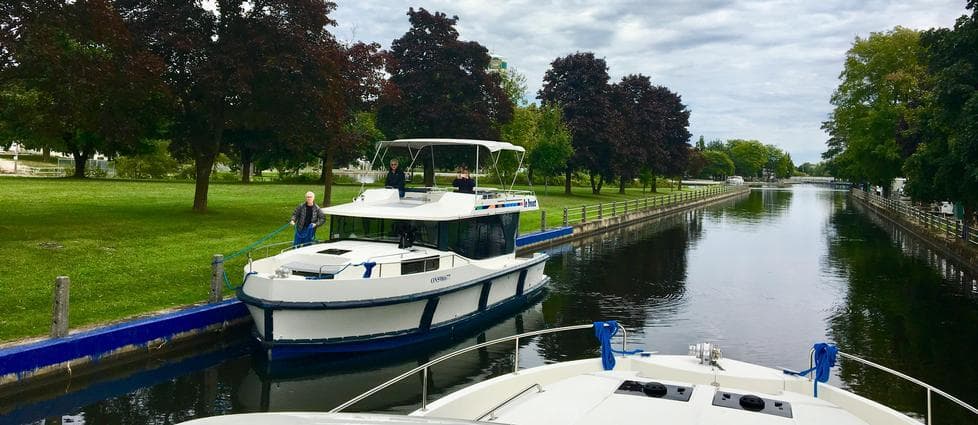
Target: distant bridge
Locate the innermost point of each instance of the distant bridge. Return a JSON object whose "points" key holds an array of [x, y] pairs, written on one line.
{"points": [[822, 181]]}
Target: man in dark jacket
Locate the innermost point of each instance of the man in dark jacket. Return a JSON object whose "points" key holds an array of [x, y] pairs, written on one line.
{"points": [[306, 218], [395, 178]]}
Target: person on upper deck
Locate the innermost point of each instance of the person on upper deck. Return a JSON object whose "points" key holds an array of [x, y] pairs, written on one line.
{"points": [[463, 182], [395, 178]]}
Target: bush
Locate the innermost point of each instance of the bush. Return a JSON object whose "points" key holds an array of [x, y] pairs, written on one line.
{"points": [[156, 164]]}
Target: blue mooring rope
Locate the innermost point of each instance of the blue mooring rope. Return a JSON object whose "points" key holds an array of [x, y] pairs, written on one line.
{"points": [[825, 356], [604, 331]]}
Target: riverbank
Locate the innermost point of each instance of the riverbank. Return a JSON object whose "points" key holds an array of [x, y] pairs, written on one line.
{"points": [[937, 232], [135, 247]]}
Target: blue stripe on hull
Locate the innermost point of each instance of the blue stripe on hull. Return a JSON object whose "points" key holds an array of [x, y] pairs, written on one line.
{"points": [[281, 351]]}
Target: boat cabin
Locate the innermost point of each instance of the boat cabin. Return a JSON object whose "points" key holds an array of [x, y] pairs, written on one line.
{"points": [[474, 237]]}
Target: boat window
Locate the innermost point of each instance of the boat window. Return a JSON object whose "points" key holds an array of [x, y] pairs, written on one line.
{"points": [[481, 237], [420, 265], [424, 233]]}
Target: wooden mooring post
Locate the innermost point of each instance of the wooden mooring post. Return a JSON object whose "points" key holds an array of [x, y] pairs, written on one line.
{"points": [[217, 276], [59, 319]]}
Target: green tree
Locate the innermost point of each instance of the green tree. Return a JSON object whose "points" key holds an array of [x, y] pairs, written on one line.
{"points": [[514, 85], [718, 165], [553, 148], [946, 165], [439, 86], [876, 121], [749, 156]]}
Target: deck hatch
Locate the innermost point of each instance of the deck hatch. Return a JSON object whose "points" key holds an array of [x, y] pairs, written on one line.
{"points": [[655, 390], [752, 403], [334, 251]]}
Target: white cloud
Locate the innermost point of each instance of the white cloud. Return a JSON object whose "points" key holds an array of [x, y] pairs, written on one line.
{"points": [[746, 69]]}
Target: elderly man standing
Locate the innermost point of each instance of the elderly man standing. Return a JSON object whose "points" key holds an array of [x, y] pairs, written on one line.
{"points": [[306, 218]]}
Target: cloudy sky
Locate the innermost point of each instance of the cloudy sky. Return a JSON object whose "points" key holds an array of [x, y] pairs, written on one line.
{"points": [[747, 69]]}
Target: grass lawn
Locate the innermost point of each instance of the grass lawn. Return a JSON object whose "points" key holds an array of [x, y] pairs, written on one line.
{"points": [[136, 247]]}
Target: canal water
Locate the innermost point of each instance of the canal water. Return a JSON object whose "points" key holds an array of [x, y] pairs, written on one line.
{"points": [[763, 276]]}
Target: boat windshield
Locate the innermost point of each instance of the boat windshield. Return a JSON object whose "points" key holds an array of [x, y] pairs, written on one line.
{"points": [[475, 238]]}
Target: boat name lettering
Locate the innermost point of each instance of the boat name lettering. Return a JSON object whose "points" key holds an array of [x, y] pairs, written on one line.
{"points": [[437, 279]]}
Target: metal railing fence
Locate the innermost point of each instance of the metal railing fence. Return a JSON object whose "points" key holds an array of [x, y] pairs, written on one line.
{"points": [[949, 227], [585, 213]]}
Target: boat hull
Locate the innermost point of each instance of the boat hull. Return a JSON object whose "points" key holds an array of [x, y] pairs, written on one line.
{"points": [[295, 329]]}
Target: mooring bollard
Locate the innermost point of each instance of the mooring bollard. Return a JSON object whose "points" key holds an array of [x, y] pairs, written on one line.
{"points": [[217, 274], [59, 319], [543, 220]]}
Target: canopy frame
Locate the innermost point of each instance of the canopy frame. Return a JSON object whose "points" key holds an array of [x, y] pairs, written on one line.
{"points": [[416, 146]]}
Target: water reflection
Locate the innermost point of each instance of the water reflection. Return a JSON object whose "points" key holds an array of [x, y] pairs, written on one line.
{"points": [[902, 312]]}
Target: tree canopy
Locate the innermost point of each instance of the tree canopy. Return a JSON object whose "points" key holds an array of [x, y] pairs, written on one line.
{"points": [[578, 84], [875, 123]]}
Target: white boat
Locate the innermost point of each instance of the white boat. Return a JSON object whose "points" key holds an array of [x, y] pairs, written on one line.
{"points": [[699, 388], [397, 270]]}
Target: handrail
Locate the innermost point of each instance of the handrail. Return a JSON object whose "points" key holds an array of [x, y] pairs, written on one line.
{"points": [[492, 412], [424, 368], [930, 388]]}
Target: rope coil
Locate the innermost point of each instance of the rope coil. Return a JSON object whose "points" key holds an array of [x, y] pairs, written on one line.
{"points": [[604, 331]]}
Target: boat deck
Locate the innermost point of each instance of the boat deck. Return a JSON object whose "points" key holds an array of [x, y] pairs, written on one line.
{"points": [[661, 389]]}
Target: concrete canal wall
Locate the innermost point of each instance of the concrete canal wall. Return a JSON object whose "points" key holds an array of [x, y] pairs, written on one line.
{"points": [[613, 219], [55, 357], [965, 253]]}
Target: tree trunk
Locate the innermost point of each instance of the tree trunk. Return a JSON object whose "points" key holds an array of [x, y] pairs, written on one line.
{"points": [[655, 182], [246, 162], [679, 183], [81, 160], [322, 172], [328, 178], [206, 158], [621, 185], [46, 154], [567, 181], [202, 168], [596, 186]]}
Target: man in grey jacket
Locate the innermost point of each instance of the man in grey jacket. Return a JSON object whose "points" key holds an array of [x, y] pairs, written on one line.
{"points": [[306, 218]]}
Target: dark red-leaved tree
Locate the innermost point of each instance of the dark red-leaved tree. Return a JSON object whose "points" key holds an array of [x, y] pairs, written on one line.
{"points": [[638, 142], [439, 86], [266, 65], [362, 70], [578, 83], [672, 132], [90, 87]]}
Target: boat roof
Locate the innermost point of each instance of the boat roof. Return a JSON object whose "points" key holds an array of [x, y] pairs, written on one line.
{"points": [[493, 146], [428, 204]]}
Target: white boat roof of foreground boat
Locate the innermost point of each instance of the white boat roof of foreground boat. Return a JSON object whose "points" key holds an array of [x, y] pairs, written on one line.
{"points": [[492, 145]]}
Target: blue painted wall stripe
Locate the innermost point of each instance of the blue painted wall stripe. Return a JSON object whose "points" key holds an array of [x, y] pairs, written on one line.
{"points": [[532, 238], [98, 342]]}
